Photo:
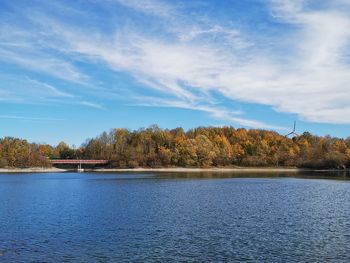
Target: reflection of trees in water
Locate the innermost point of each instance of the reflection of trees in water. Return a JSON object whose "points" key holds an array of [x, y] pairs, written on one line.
{"points": [[339, 175]]}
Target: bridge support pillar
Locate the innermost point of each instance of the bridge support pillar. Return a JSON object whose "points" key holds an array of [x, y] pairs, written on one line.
{"points": [[80, 170]]}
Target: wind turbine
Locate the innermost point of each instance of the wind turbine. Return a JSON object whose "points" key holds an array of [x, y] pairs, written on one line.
{"points": [[293, 131]]}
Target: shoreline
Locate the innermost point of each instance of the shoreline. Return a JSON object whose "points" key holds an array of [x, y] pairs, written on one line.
{"points": [[198, 170], [32, 170], [172, 170], [169, 170]]}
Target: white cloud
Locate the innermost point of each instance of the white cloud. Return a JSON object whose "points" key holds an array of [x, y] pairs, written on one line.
{"points": [[191, 60], [190, 71]]}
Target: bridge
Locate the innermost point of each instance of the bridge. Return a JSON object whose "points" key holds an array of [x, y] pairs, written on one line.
{"points": [[78, 162], [73, 161]]}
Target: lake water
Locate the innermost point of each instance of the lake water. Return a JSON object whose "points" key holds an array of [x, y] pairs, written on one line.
{"points": [[88, 217]]}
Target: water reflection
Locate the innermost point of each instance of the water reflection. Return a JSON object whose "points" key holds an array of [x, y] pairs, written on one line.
{"points": [[336, 175]]}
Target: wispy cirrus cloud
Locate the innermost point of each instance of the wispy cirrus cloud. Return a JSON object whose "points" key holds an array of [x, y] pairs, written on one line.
{"points": [[29, 50], [25, 90], [25, 118], [17, 88], [215, 112], [152, 7], [91, 104], [189, 59]]}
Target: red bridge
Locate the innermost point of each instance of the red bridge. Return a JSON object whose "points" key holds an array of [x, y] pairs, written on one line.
{"points": [[71, 161]]}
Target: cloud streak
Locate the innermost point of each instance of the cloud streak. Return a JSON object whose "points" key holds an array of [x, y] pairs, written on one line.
{"points": [[215, 112], [25, 90], [14, 117], [151, 7]]}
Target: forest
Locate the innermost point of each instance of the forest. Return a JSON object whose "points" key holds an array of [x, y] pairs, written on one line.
{"points": [[198, 147]]}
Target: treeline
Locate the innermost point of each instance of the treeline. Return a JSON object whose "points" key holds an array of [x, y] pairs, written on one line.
{"points": [[20, 153], [15, 152], [199, 147]]}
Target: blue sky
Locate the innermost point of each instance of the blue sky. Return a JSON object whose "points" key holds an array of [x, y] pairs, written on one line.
{"points": [[72, 69]]}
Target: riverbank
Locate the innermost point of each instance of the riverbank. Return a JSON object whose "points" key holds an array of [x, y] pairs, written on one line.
{"points": [[172, 170], [32, 170], [168, 170], [198, 170]]}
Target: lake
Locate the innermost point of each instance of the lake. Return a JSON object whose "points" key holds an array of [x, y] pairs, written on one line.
{"points": [[139, 217]]}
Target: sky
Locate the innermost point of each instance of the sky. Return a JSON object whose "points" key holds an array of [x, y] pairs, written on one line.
{"points": [[70, 70]]}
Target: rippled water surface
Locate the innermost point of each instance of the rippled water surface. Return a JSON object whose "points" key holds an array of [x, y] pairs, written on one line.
{"points": [[132, 217]]}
